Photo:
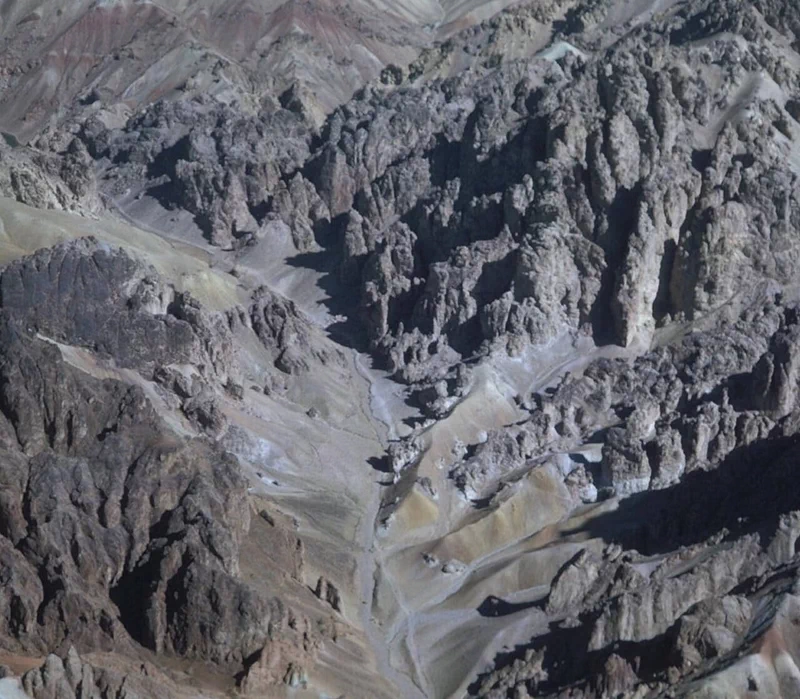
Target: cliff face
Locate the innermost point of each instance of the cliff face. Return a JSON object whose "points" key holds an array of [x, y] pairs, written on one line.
{"points": [[433, 349]]}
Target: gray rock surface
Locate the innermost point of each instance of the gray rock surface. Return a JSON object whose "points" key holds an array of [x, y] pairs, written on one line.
{"points": [[565, 235], [111, 553], [115, 531]]}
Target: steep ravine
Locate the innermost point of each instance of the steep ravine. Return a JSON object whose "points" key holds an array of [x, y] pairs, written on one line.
{"points": [[404, 659], [377, 395]]}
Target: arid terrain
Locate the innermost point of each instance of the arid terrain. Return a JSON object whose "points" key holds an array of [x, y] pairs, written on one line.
{"points": [[420, 349]]}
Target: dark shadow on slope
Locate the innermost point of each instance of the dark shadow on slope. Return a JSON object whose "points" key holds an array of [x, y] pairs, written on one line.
{"points": [[496, 607], [662, 303], [701, 25], [343, 300], [622, 216], [164, 163], [414, 421], [10, 139], [701, 159], [444, 159], [380, 464], [247, 663], [133, 594], [746, 494], [567, 662]]}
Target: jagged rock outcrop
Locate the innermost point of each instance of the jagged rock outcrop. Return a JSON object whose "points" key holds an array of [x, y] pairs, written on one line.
{"points": [[509, 204], [630, 629], [208, 159], [669, 412], [328, 592], [574, 222], [701, 443], [292, 341], [515, 201], [60, 180], [114, 530], [71, 676], [111, 552], [89, 294]]}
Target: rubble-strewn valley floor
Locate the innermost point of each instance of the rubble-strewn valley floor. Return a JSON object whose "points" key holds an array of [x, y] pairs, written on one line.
{"points": [[420, 349]]}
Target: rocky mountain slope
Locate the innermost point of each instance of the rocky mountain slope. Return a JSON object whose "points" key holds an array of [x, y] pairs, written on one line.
{"points": [[127, 54], [424, 350]]}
